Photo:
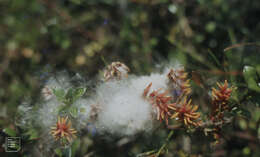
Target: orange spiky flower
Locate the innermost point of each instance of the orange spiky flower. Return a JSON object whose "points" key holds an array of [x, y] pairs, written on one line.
{"points": [[186, 113], [220, 99], [116, 70], [160, 102], [178, 79], [63, 130]]}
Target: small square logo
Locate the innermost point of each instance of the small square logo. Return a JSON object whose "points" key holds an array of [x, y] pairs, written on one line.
{"points": [[12, 144]]}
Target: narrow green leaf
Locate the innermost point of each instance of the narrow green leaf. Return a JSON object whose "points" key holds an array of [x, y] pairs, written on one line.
{"points": [[67, 152], [75, 146], [241, 111], [214, 58], [245, 113]]}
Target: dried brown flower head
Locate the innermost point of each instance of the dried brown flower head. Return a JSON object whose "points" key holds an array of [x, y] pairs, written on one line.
{"points": [[186, 113], [95, 109], [160, 101], [116, 70], [178, 79], [63, 130], [47, 93]]}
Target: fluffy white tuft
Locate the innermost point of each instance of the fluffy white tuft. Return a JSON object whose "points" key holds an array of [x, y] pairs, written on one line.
{"points": [[85, 108], [47, 113], [123, 110], [158, 81]]}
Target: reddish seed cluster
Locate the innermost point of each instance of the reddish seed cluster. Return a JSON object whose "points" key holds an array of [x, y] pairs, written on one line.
{"points": [[63, 130], [186, 113], [160, 102], [220, 99], [180, 108]]}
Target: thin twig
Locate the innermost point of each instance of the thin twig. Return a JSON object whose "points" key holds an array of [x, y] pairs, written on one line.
{"points": [[147, 153], [240, 45]]}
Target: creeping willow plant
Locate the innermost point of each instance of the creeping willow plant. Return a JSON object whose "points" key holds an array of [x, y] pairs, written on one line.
{"points": [[123, 105]]}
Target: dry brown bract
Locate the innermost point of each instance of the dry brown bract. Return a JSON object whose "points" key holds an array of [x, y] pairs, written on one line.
{"points": [[63, 129], [116, 70], [186, 113]]}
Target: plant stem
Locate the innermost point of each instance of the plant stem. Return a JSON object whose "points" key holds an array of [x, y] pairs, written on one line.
{"points": [[161, 148], [165, 144]]}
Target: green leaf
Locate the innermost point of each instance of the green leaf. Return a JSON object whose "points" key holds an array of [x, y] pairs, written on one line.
{"points": [[79, 92], [58, 152], [245, 113], [74, 112], [9, 132], [69, 96], [59, 93], [74, 94], [33, 134], [62, 108], [250, 76]]}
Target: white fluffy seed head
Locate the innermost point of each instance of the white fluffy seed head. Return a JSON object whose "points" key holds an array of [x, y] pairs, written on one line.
{"points": [[123, 110], [159, 81]]}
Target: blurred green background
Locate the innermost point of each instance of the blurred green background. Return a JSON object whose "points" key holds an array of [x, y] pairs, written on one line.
{"points": [[83, 35]]}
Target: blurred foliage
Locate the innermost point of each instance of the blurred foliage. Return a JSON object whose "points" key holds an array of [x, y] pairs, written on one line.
{"points": [[83, 35]]}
